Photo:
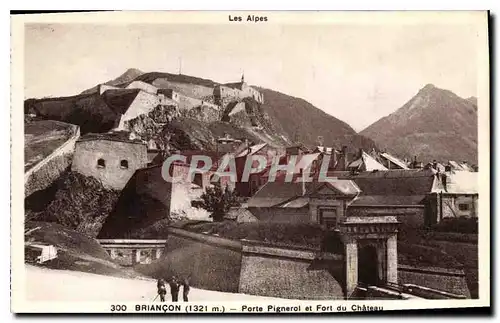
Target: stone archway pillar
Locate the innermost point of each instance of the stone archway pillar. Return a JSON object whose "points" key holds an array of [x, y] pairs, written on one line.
{"points": [[158, 253], [112, 253], [392, 259], [381, 260], [358, 230], [351, 264], [136, 256]]}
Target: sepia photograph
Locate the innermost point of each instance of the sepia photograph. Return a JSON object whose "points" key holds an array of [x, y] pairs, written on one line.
{"points": [[281, 162]]}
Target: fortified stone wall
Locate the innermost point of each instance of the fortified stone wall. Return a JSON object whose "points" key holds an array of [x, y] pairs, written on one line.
{"points": [[143, 104], [211, 263], [243, 266], [225, 94], [43, 174], [449, 280], [190, 90], [188, 103], [113, 174], [146, 87], [410, 216], [268, 270], [103, 88]]}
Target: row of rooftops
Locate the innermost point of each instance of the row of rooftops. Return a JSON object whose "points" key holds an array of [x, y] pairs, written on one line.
{"points": [[364, 161], [396, 188]]}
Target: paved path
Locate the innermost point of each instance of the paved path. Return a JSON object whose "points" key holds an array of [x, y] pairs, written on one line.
{"points": [[64, 285]]}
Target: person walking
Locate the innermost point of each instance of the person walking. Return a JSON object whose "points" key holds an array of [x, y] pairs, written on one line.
{"points": [[162, 289], [174, 289], [185, 289]]}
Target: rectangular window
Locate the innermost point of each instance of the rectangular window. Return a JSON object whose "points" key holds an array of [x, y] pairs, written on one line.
{"points": [[463, 207], [328, 218]]}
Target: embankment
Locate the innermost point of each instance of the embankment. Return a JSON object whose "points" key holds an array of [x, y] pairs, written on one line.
{"points": [[211, 263], [243, 266], [269, 270], [45, 172]]}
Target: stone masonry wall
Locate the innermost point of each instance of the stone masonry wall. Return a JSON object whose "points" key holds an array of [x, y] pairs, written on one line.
{"points": [[112, 175]]}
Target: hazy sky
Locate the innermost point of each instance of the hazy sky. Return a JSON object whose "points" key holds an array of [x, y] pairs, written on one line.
{"points": [[357, 74]]}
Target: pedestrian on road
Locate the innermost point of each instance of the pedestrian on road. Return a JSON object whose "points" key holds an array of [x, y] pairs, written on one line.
{"points": [[185, 289], [162, 289], [174, 288]]}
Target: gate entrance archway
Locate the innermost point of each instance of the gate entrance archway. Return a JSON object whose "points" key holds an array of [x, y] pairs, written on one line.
{"points": [[371, 251], [368, 265]]}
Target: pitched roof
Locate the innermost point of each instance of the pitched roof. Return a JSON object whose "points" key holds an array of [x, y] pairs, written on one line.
{"points": [[394, 160], [366, 162], [393, 182], [282, 194], [251, 150], [455, 165], [462, 182]]}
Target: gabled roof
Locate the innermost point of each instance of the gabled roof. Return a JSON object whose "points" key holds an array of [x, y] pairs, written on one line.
{"points": [[462, 182], [251, 150], [394, 160], [455, 165], [366, 162], [394, 182], [466, 167], [282, 194]]}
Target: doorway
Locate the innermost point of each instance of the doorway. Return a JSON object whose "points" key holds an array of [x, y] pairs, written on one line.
{"points": [[368, 265]]}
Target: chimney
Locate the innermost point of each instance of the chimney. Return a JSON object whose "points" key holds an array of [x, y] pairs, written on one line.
{"points": [[360, 152], [344, 157], [303, 186], [444, 181], [333, 157]]}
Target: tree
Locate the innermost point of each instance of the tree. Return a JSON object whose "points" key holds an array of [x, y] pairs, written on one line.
{"points": [[218, 201]]}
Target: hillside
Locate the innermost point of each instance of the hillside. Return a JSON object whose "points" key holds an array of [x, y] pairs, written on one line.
{"points": [[278, 121], [129, 75], [297, 117], [434, 124]]}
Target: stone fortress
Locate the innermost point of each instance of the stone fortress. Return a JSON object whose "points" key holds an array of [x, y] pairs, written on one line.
{"points": [[211, 98], [145, 108]]}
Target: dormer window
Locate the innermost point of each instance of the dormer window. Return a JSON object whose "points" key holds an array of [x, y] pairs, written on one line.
{"points": [[101, 163], [123, 164]]}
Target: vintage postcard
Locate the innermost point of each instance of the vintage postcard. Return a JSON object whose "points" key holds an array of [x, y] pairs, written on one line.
{"points": [[250, 162]]}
